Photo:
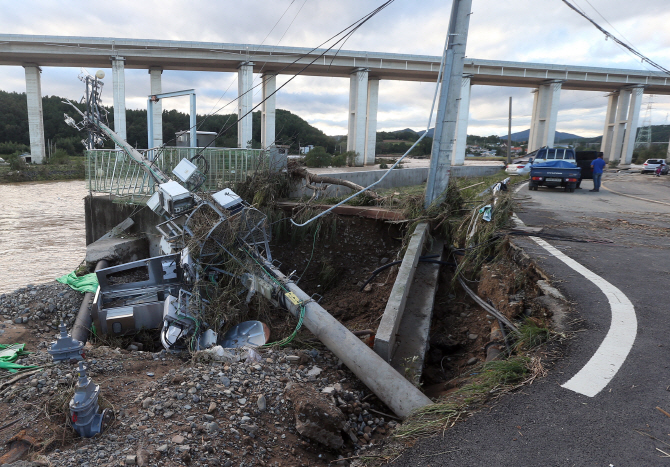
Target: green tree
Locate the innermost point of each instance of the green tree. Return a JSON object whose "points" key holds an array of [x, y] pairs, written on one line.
{"points": [[318, 157]]}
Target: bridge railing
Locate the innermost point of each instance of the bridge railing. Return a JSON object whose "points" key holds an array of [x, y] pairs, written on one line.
{"points": [[113, 172]]}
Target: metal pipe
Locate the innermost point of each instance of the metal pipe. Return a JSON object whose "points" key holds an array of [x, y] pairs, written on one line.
{"points": [[82, 324], [393, 389]]}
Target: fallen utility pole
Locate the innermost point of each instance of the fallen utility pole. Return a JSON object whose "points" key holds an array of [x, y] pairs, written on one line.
{"points": [[447, 107], [391, 387]]}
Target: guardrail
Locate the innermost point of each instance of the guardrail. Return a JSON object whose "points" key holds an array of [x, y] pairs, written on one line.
{"points": [[115, 173]]}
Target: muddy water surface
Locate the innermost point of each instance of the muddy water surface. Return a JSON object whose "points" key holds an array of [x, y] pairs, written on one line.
{"points": [[42, 232]]}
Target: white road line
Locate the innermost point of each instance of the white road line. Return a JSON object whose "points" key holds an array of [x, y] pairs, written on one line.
{"points": [[614, 349]]}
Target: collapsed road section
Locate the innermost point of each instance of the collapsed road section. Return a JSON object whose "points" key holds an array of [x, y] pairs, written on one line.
{"points": [[169, 359]]}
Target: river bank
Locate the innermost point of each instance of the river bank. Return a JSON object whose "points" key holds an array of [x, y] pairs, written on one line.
{"points": [[36, 173]]}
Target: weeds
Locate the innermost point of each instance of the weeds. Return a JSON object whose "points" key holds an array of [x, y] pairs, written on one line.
{"points": [[328, 276], [531, 335], [495, 376]]}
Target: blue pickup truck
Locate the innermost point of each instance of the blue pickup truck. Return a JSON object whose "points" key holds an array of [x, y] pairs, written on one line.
{"points": [[554, 173]]}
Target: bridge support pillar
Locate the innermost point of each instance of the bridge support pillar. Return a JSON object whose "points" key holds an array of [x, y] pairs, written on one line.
{"points": [[156, 88], [119, 91], [610, 121], [35, 113], [245, 77], [358, 104], [545, 113], [636, 93], [623, 114], [462, 123], [268, 111], [371, 121]]}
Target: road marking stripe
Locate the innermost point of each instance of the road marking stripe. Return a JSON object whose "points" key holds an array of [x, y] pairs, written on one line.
{"points": [[602, 185], [614, 349]]}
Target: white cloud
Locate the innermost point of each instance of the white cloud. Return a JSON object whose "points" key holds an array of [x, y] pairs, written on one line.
{"points": [[524, 30]]}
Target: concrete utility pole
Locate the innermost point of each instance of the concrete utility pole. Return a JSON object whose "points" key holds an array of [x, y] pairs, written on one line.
{"points": [[509, 133], [447, 108]]}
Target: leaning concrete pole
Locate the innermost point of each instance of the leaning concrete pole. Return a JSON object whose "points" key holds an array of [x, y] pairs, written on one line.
{"points": [[401, 396], [447, 107]]}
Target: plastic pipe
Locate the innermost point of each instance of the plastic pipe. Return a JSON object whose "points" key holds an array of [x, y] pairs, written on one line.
{"points": [[82, 324], [393, 389]]}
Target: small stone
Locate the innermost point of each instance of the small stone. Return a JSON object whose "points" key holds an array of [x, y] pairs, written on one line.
{"points": [[473, 337], [131, 460], [178, 439], [473, 360], [212, 407], [132, 348], [315, 371], [168, 414], [262, 403], [292, 358], [162, 448], [242, 400], [383, 261], [150, 374], [147, 402]]}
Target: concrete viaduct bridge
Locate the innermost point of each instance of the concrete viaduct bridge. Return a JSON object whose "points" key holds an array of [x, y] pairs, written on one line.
{"points": [[624, 88]]}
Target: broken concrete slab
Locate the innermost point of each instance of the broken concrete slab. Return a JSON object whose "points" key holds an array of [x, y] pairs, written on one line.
{"points": [[119, 229], [395, 307], [550, 290], [414, 329], [120, 250]]}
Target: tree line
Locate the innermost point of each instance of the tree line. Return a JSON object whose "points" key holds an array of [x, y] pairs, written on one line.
{"points": [[291, 130]]}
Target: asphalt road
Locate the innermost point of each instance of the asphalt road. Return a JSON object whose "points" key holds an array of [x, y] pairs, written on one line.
{"points": [[545, 424]]}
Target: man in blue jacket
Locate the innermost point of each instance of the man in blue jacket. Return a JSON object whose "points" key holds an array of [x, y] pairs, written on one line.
{"points": [[597, 166]]}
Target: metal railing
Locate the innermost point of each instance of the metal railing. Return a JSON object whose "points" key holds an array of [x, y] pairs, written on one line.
{"points": [[114, 172]]}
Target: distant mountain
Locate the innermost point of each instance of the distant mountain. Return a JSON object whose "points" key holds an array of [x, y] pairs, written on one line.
{"points": [[430, 132], [525, 134]]}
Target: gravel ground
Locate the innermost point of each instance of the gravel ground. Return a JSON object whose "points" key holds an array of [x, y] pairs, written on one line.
{"points": [[181, 409]]}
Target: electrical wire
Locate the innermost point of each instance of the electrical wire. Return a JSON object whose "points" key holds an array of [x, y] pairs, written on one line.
{"points": [[349, 31], [312, 255], [617, 40], [430, 119]]}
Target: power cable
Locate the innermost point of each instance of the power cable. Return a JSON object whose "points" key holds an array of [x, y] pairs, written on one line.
{"points": [[349, 31], [617, 40]]}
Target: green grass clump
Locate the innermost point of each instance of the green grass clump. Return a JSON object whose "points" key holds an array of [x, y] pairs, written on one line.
{"points": [[498, 374], [531, 335]]}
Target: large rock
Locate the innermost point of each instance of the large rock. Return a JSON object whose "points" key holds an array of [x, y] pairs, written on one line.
{"points": [[118, 250], [316, 416]]}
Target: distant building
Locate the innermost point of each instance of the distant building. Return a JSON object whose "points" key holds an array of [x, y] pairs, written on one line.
{"points": [[205, 138], [306, 149]]}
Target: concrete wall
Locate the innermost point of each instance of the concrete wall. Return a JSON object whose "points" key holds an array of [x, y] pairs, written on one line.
{"points": [[103, 214], [397, 178]]}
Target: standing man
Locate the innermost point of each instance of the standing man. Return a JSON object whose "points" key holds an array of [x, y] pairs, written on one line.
{"points": [[597, 166]]}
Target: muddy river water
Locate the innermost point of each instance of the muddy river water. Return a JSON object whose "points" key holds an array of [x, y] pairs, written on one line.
{"points": [[42, 231]]}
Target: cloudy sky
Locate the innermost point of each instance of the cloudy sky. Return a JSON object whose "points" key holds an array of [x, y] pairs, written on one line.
{"points": [[544, 31]]}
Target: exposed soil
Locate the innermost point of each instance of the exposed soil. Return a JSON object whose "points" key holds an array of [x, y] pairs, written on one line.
{"points": [[461, 329], [341, 263], [334, 264]]}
